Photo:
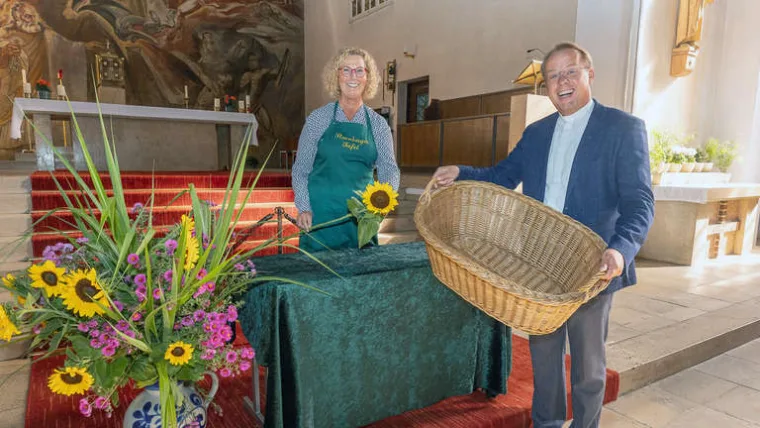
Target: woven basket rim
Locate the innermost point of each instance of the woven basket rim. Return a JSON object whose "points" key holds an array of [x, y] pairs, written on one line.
{"points": [[486, 273]]}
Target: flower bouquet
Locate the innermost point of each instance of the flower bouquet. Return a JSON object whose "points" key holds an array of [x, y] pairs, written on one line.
{"points": [[125, 305], [377, 200], [43, 89]]}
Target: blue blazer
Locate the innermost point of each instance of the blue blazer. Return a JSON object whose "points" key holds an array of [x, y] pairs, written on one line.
{"points": [[609, 189]]}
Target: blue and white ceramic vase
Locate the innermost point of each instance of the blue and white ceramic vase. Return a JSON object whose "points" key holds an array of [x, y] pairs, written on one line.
{"points": [[145, 409]]}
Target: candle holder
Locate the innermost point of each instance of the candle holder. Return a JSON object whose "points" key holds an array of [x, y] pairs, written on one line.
{"points": [[27, 90], [217, 104]]}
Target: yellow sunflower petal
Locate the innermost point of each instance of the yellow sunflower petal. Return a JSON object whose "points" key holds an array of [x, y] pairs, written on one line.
{"points": [[179, 353], [48, 277], [188, 224], [7, 328], [69, 381], [380, 198], [83, 292], [10, 281], [192, 252]]}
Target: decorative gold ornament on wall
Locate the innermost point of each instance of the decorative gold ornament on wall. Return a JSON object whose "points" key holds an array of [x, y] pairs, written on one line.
{"points": [[688, 35]]}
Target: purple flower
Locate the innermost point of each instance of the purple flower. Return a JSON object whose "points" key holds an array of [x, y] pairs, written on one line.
{"points": [[231, 357], [83, 327], [140, 292], [118, 305], [201, 273], [244, 365], [208, 354], [225, 372], [95, 343], [210, 286], [136, 316], [133, 259], [84, 408], [107, 329], [140, 279], [187, 321], [157, 293], [247, 353], [239, 266], [199, 292], [94, 333], [92, 323], [199, 315], [170, 246], [67, 248], [168, 275], [37, 329], [122, 325], [82, 240], [137, 207]]}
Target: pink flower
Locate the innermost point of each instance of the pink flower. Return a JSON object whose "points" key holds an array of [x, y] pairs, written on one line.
{"points": [[244, 365], [239, 266], [248, 353], [37, 329], [199, 315], [95, 343], [208, 354], [92, 323], [94, 333], [225, 372], [108, 351], [231, 357], [210, 286], [202, 273], [170, 246], [140, 279], [136, 316], [168, 275], [118, 305], [133, 259], [83, 327], [102, 403], [84, 408], [122, 325], [156, 293], [232, 313]]}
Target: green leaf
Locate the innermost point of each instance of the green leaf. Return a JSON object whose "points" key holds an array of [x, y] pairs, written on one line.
{"points": [[368, 228], [118, 366], [100, 369], [356, 207]]}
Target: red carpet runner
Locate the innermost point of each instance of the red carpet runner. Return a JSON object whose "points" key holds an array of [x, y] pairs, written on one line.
{"points": [[45, 409]]}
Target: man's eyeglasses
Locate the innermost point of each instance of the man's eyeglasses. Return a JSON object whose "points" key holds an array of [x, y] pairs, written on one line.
{"points": [[571, 73], [358, 71]]}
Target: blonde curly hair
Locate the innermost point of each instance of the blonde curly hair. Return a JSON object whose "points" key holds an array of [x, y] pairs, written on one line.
{"points": [[330, 73]]}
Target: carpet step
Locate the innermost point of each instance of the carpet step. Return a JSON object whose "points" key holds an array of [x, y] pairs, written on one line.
{"points": [[12, 267], [42, 180], [15, 224], [48, 200], [15, 203], [244, 230], [63, 220], [398, 237]]}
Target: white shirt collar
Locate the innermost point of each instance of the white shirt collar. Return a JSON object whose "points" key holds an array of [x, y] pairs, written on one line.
{"points": [[582, 112]]}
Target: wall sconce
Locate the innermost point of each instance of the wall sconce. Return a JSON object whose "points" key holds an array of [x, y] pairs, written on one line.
{"points": [[409, 53], [390, 75]]}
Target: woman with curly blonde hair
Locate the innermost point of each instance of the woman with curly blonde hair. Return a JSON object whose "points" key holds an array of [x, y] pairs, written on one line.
{"points": [[340, 146]]}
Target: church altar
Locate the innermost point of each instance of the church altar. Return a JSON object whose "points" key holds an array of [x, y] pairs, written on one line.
{"points": [[696, 222], [146, 138], [383, 338]]}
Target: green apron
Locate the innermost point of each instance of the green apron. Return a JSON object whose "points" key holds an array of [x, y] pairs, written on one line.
{"points": [[344, 163]]}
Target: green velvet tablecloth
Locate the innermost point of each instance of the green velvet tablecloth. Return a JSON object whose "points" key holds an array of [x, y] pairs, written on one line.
{"points": [[388, 338]]}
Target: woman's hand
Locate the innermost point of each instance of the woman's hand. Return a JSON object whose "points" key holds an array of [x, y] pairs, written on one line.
{"points": [[304, 220], [445, 175]]}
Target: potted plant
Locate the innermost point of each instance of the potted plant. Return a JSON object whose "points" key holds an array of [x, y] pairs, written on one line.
{"points": [[721, 153], [676, 158], [700, 159], [658, 154], [689, 155], [230, 103], [43, 89]]}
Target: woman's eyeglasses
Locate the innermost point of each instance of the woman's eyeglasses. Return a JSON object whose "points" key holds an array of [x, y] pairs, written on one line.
{"points": [[358, 71]]}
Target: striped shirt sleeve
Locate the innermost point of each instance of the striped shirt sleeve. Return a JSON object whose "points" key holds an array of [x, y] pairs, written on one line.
{"points": [[316, 125]]}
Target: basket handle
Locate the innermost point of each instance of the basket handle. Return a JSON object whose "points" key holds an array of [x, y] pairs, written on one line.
{"points": [[427, 193], [595, 289]]}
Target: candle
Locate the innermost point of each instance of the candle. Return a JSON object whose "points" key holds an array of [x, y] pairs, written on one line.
{"points": [[217, 104], [247, 101], [27, 88], [23, 76], [186, 96], [61, 90], [241, 106]]}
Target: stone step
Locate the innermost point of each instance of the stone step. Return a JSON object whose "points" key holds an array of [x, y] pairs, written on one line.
{"points": [[29, 157], [12, 267], [13, 250], [14, 224], [398, 237], [404, 208], [15, 203], [404, 223], [15, 182]]}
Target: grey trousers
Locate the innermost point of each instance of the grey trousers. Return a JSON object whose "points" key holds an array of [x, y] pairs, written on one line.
{"points": [[587, 331]]}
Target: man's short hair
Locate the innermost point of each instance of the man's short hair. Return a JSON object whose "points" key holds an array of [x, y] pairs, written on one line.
{"points": [[585, 56]]}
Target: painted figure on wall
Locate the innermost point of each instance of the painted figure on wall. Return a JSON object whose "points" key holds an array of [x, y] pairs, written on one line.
{"points": [[22, 47], [215, 47]]}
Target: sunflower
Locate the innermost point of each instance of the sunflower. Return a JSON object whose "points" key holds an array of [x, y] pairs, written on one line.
{"points": [[380, 198], [83, 292], [7, 328], [48, 277], [69, 381], [179, 353], [10, 281], [192, 252], [188, 224]]}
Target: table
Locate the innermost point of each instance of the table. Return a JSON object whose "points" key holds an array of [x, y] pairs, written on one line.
{"points": [[696, 222], [146, 138], [388, 338]]}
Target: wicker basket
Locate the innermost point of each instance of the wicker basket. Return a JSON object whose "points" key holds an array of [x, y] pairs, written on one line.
{"points": [[519, 261]]}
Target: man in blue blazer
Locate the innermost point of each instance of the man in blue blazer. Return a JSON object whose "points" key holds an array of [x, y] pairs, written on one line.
{"points": [[590, 162]]}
